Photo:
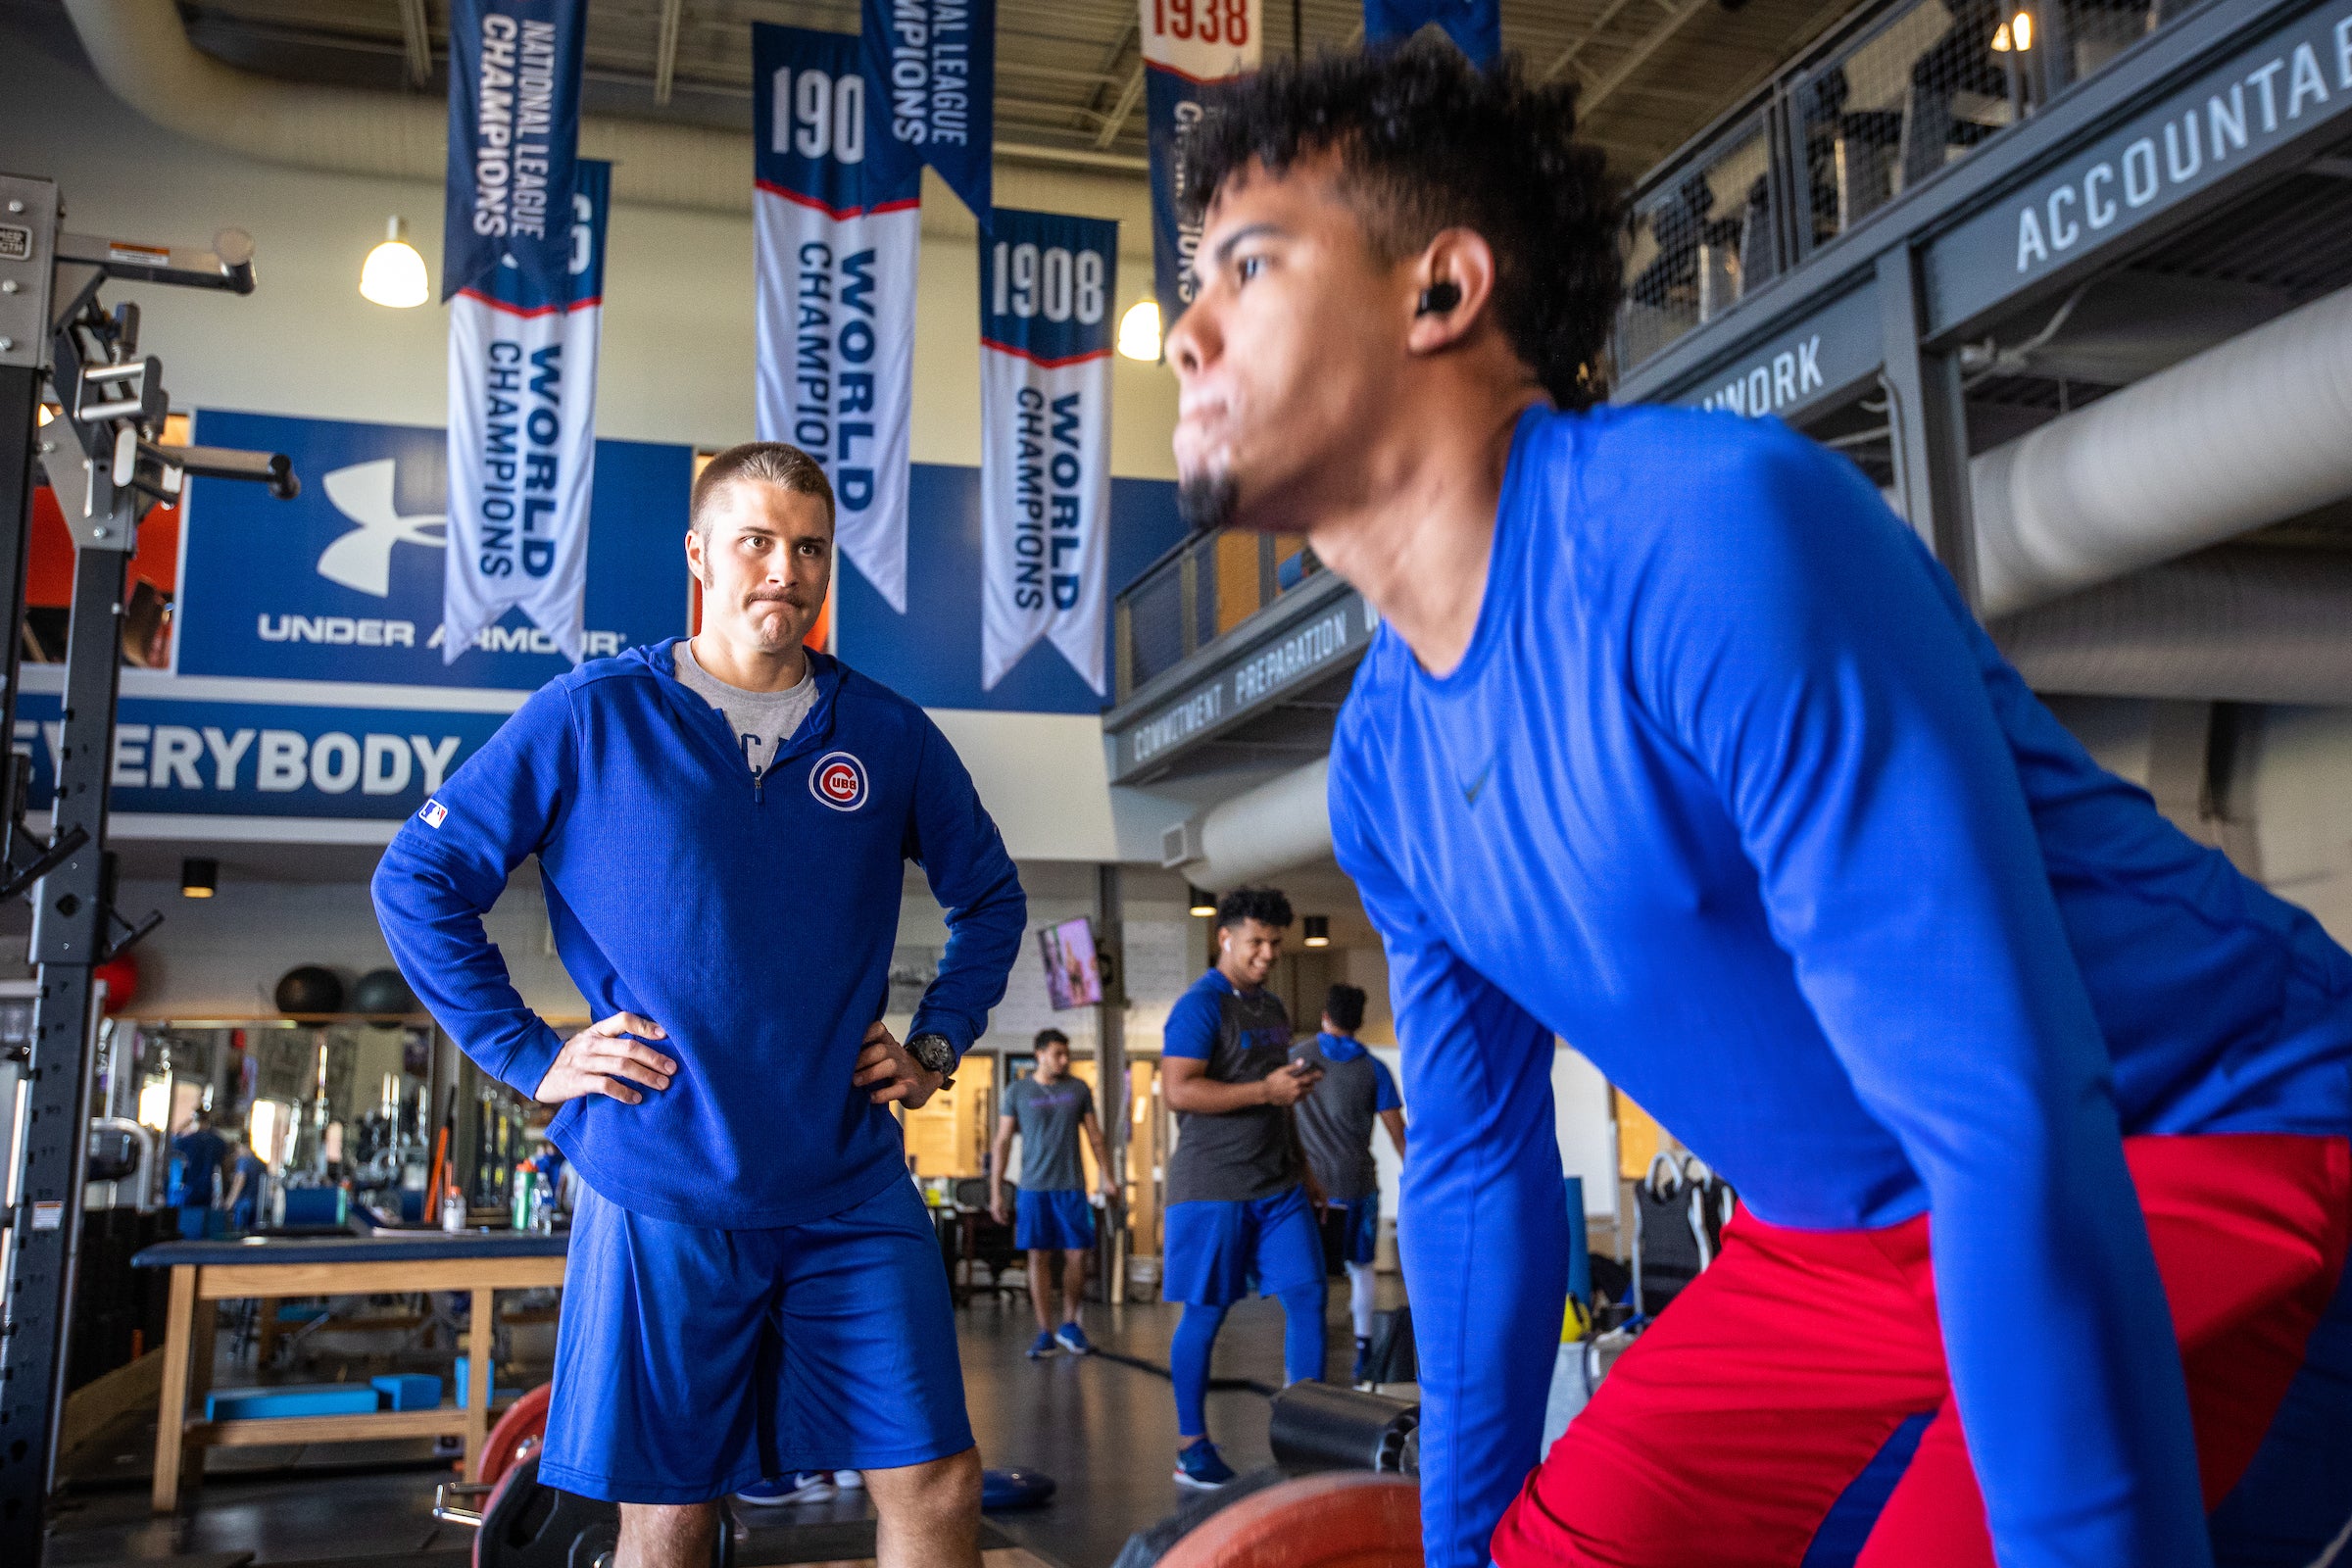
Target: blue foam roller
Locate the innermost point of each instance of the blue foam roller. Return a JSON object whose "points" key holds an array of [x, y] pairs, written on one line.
{"points": [[291, 1399], [1004, 1491], [409, 1391]]}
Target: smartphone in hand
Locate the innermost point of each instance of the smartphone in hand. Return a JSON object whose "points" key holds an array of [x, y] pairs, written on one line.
{"points": [[1306, 1056]]}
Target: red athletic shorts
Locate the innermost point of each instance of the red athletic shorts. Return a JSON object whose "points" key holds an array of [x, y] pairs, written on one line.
{"points": [[1750, 1412]]}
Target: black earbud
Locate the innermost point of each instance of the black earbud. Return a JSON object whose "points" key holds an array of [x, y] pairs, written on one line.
{"points": [[1439, 298]]}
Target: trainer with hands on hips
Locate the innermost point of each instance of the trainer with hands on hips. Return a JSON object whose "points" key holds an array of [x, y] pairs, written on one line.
{"points": [[1239, 1212], [1676, 744], [1052, 1111], [722, 826]]}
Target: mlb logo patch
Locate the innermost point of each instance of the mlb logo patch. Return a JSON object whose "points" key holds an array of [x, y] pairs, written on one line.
{"points": [[433, 813], [839, 780]]}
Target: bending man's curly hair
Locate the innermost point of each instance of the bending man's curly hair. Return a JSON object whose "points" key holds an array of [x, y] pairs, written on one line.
{"points": [[1427, 142]]}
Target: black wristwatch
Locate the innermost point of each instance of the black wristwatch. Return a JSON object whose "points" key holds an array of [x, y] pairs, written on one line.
{"points": [[936, 1055]]}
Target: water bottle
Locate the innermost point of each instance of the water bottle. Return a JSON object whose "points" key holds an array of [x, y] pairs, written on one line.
{"points": [[452, 1211], [519, 1218], [543, 1204]]}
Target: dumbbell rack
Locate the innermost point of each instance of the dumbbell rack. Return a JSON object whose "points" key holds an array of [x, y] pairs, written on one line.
{"points": [[102, 454]]}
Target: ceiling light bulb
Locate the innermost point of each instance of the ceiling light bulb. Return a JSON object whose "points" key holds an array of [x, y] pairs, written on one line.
{"points": [[395, 273], [2001, 40], [2020, 28], [1139, 332]]}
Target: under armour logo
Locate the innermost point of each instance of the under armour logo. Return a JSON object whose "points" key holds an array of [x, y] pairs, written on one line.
{"points": [[362, 558]]}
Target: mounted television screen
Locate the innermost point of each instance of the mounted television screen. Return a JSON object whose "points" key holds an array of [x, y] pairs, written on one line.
{"points": [[1072, 979]]}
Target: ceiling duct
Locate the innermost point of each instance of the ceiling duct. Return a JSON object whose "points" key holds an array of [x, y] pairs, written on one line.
{"points": [[1282, 823], [142, 52], [2246, 623], [2247, 433]]}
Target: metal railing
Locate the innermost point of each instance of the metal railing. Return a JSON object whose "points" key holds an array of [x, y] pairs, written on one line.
{"points": [[1896, 94], [1197, 592]]}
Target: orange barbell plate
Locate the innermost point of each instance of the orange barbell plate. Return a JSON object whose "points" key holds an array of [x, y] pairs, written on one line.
{"points": [[1343, 1519], [523, 1428]]}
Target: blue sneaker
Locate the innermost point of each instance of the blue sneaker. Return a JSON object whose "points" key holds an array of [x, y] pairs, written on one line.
{"points": [[1071, 1337], [783, 1492], [1043, 1345], [1200, 1466]]}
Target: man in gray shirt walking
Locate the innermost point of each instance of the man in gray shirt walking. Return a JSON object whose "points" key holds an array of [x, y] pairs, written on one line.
{"points": [[1050, 1110]]}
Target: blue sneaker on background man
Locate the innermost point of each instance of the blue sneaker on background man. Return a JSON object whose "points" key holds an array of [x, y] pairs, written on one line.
{"points": [[1042, 1346], [1199, 1466], [1071, 1337]]}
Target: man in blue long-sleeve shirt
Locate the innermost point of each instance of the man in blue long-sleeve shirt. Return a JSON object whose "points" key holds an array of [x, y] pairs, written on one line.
{"points": [[1675, 743], [721, 825]]}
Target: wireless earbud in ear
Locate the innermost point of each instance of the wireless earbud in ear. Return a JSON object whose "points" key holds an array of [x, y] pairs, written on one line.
{"points": [[1439, 298]]}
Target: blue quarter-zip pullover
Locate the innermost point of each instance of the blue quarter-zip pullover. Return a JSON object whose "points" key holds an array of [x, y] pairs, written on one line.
{"points": [[752, 918]]}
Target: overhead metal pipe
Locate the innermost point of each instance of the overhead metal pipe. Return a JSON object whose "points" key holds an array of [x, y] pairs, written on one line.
{"points": [[1282, 823], [142, 52], [2243, 623], [2249, 432]]}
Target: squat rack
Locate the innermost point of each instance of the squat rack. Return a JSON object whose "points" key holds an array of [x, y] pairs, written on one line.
{"points": [[102, 453]]}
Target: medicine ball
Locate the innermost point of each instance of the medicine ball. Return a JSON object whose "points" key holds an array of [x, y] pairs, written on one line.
{"points": [[382, 994], [121, 976], [309, 989]]}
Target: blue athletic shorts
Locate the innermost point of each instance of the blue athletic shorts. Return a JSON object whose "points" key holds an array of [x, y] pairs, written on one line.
{"points": [[691, 1361], [1052, 1222], [1216, 1249], [1358, 1219]]}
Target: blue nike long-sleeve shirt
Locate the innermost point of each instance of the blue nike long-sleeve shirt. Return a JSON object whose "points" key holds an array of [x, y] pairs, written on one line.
{"points": [[1733, 793], [752, 918]]}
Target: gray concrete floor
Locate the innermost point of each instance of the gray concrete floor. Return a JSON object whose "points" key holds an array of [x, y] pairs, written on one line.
{"points": [[1104, 1430]]}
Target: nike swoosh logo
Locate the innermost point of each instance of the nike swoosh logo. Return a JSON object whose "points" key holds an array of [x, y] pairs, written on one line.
{"points": [[1477, 786]]}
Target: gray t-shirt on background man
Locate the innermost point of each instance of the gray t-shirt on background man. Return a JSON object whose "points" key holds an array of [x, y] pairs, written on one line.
{"points": [[1052, 1119], [762, 721]]}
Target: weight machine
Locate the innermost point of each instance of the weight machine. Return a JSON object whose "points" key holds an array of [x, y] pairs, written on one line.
{"points": [[103, 453]]}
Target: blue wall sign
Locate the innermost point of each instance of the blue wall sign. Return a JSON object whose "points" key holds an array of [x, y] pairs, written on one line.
{"points": [[192, 757], [343, 582], [931, 654]]}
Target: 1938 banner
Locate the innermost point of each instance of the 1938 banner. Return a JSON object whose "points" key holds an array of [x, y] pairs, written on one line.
{"points": [[1188, 45], [838, 235], [1046, 285]]}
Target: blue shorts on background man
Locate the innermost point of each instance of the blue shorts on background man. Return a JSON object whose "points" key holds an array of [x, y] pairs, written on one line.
{"points": [[691, 1361], [1359, 1220], [1216, 1249], [1052, 1222]]}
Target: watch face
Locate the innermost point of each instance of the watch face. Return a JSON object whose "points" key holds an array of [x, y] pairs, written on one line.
{"points": [[933, 1051]]}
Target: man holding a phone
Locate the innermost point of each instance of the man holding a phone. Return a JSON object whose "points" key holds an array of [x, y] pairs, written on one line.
{"points": [[1335, 1125], [1238, 1205]]}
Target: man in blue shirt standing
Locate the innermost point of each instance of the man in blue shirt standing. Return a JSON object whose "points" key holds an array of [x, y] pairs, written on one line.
{"points": [[1238, 1208], [1335, 1126], [1676, 744], [200, 1153], [722, 826]]}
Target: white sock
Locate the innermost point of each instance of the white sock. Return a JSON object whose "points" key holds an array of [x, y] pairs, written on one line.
{"points": [[1359, 1298]]}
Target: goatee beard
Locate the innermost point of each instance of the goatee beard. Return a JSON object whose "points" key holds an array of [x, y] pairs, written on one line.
{"points": [[1208, 502]]}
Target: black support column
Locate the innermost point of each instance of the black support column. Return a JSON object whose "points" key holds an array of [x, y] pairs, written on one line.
{"points": [[1927, 419]]}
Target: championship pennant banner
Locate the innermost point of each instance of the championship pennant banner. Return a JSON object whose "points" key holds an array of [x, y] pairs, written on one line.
{"points": [[1474, 26], [1188, 45], [523, 256], [837, 235], [1046, 285], [930, 67]]}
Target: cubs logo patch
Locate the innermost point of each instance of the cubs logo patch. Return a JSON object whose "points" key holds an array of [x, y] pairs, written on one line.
{"points": [[839, 780], [433, 813]]}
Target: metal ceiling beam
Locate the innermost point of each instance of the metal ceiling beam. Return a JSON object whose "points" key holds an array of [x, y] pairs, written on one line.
{"points": [[1659, 36], [417, 42], [1123, 105], [1568, 56], [1129, 91], [666, 48]]}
